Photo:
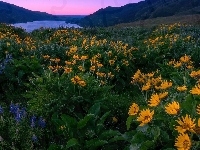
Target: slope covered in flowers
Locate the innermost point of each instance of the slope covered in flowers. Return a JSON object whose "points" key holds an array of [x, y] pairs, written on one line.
{"points": [[100, 88]]}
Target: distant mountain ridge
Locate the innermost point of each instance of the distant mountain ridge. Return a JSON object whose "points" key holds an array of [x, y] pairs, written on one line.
{"points": [[140, 11], [14, 14]]}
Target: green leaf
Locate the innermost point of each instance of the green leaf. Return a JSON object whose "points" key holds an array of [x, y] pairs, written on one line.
{"points": [[82, 123], [189, 105], [70, 121], [108, 134], [164, 136], [94, 143], [72, 142], [116, 138], [103, 118], [95, 109], [146, 145], [155, 131], [138, 138], [53, 147], [129, 121], [143, 128]]}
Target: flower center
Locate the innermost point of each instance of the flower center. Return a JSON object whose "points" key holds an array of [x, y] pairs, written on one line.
{"points": [[186, 144]]}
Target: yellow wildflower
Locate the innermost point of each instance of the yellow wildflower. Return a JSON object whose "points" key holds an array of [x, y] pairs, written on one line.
{"points": [[67, 70], [185, 59], [99, 65], [76, 79], [183, 142], [186, 124], [162, 95], [76, 57], [73, 49], [154, 100], [57, 60], [195, 74], [68, 62], [145, 116], [197, 129], [182, 88], [81, 68], [195, 90], [46, 56], [133, 110], [82, 83], [92, 68], [84, 57], [111, 62], [164, 85], [146, 86], [198, 109], [110, 75], [177, 64], [172, 108]]}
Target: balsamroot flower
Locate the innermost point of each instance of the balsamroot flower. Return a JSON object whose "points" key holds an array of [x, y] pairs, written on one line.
{"points": [[186, 124], [172, 108], [133, 110], [182, 88], [163, 95], [195, 90], [145, 116], [183, 142], [154, 101]]}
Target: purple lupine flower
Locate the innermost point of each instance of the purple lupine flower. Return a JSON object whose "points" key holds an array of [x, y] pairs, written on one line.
{"points": [[41, 122], [34, 138], [33, 121], [14, 109], [1, 110], [18, 116]]}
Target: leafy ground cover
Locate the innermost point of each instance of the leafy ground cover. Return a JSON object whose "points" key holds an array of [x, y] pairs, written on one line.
{"points": [[100, 88]]}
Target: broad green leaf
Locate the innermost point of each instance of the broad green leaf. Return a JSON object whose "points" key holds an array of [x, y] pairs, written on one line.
{"points": [[138, 138], [164, 136], [129, 121], [143, 128], [116, 138], [103, 118], [94, 143], [70, 121], [155, 131], [189, 104], [53, 147], [72, 142], [146, 145], [82, 123], [108, 134], [95, 109]]}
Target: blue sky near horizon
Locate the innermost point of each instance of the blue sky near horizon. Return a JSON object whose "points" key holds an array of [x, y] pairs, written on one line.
{"points": [[68, 7]]}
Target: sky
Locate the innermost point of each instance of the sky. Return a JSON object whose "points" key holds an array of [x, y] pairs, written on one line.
{"points": [[68, 7]]}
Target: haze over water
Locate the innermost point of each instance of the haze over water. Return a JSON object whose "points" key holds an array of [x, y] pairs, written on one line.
{"points": [[30, 26]]}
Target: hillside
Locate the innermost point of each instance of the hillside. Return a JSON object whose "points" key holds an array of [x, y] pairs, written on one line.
{"points": [[183, 19], [140, 11], [15, 14]]}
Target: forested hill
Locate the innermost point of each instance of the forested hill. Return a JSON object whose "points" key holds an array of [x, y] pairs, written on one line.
{"points": [[140, 11], [10, 13]]}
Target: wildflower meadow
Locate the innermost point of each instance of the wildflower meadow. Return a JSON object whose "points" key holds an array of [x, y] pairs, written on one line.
{"points": [[131, 88]]}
